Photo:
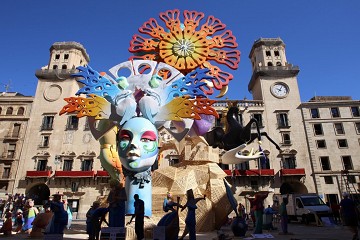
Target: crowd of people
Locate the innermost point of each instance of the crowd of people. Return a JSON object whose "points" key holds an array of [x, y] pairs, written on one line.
{"points": [[20, 215]]}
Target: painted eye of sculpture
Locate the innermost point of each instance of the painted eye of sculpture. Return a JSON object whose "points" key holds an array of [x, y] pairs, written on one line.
{"points": [[125, 135], [148, 136]]}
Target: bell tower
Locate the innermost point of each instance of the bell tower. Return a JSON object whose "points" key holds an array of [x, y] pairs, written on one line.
{"points": [[273, 78], [274, 82]]}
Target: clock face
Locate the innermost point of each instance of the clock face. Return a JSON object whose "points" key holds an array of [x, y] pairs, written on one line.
{"points": [[279, 90]]}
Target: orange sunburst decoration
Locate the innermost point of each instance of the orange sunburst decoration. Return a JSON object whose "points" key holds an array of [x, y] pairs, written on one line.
{"points": [[188, 45]]}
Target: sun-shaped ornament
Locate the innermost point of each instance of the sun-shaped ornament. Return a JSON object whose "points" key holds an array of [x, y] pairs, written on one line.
{"points": [[187, 45]]}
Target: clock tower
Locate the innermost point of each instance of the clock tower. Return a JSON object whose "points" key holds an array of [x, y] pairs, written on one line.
{"points": [[274, 81]]}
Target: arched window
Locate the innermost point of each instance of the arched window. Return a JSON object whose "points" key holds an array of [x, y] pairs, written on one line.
{"points": [[63, 66], [270, 64], [20, 111], [9, 111], [278, 63], [55, 67]]}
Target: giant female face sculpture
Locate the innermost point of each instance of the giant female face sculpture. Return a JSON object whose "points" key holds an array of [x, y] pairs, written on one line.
{"points": [[138, 144]]}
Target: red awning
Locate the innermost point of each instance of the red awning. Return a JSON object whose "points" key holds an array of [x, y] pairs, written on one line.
{"points": [[74, 174], [36, 174], [228, 172], [292, 172], [251, 172], [102, 174]]}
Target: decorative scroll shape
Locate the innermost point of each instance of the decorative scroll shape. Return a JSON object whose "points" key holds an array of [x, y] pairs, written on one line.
{"points": [[186, 47]]}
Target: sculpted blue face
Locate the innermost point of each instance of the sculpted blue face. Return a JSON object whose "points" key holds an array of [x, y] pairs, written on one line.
{"points": [[138, 145]]}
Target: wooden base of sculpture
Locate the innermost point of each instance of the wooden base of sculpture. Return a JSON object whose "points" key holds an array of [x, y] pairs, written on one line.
{"points": [[202, 178]]}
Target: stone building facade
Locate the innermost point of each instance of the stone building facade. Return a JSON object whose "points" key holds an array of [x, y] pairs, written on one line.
{"points": [[61, 155], [332, 126], [15, 111]]}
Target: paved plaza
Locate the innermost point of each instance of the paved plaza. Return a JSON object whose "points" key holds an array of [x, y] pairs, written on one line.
{"points": [[298, 232]]}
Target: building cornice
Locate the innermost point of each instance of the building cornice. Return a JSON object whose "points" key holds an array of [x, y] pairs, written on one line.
{"points": [[69, 46], [273, 71], [55, 74]]}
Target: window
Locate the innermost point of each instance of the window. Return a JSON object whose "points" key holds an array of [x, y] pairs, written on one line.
{"points": [[289, 162], [325, 163], [342, 143], [64, 66], [264, 162], [55, 66], [286, 138], [173, 161], [45, 141], [269, 64], [11, 150], [6, 173], [339, 129], [73, 123], [86, 127], [218, 122], [57, 56], [16, 130], [347, 162], [258, 118], [47, 123], [329, 180], [20, 111], [357, 127], [314, 113], [86, 165], [66, 56], [74, 203], [254, 185], [351, 179], [320, 143], [68, 163], [9, 111], [318, 129], [278, 63], [282, 119], [41, 165], [276, 53], [239, 118], [355, 111], [0, 110], [243, 166], [268, 53], [335, 112]]}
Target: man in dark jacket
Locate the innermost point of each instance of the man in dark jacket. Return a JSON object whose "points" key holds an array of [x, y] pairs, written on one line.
{"points": [[139, 217]]}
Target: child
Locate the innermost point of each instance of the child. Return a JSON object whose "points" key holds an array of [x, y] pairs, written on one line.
{"points": [[19, 220]]}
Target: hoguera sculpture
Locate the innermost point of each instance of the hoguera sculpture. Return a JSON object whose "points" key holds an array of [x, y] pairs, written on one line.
{"points": [[170, 79]]}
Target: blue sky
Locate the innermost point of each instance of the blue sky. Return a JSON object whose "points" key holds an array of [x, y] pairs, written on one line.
{"points": [[321, 37]]}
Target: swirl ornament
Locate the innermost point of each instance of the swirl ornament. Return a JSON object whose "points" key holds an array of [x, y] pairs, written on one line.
{"points": [[187, 45]]}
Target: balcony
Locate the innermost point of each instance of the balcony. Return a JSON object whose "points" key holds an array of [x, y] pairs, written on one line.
{"points": [[292, 172], [7, 156], [12, 136], [46, 127], [74, 174], [251, 172], [102, 174], [38, 174]]}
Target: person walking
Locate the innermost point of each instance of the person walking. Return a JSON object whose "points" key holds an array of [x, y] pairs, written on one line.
{"points": [[348, 214], [258, 207], [116, 199], [139, 217], [89, 224], [190, 219], [60, 218], [284, 215]]}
